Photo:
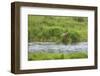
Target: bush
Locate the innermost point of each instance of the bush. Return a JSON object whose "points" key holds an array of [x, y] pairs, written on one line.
{"points": [[50, 28], [72, 37], [75, 36]]}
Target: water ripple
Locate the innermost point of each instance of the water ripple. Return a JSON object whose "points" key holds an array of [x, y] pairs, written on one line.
{"points": [[52, 47]]}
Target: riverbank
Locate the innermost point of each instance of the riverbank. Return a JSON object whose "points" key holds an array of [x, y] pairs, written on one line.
{"points": [[55, 56], [66, 30], [51, 50]]}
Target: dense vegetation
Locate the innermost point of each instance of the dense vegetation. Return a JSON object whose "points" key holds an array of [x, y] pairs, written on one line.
{"points": [[52, 56], [54, 29], [51, 29]]}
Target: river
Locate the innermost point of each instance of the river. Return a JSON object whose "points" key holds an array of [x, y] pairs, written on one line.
{"points": [[57, 48]]}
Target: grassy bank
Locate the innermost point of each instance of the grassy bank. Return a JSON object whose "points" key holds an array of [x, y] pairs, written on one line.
{"points": [[52, 56], [51, 29]]}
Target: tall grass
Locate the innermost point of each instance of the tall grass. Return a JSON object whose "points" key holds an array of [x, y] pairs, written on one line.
{"points": [[53, 56], [51, 28]]}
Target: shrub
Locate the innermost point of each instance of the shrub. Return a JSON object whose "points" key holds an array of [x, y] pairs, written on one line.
{"points": [[50, 28], [72, 37]]}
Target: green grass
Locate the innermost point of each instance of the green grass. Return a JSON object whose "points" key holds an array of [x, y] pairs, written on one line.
{"points": [[53, 56], [51, 28]]}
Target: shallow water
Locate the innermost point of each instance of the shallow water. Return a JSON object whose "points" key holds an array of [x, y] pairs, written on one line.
{"points": [[57, 48]]}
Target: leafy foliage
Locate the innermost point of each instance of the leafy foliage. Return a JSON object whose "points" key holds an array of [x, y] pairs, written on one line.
{"points": [[51, 28]]}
